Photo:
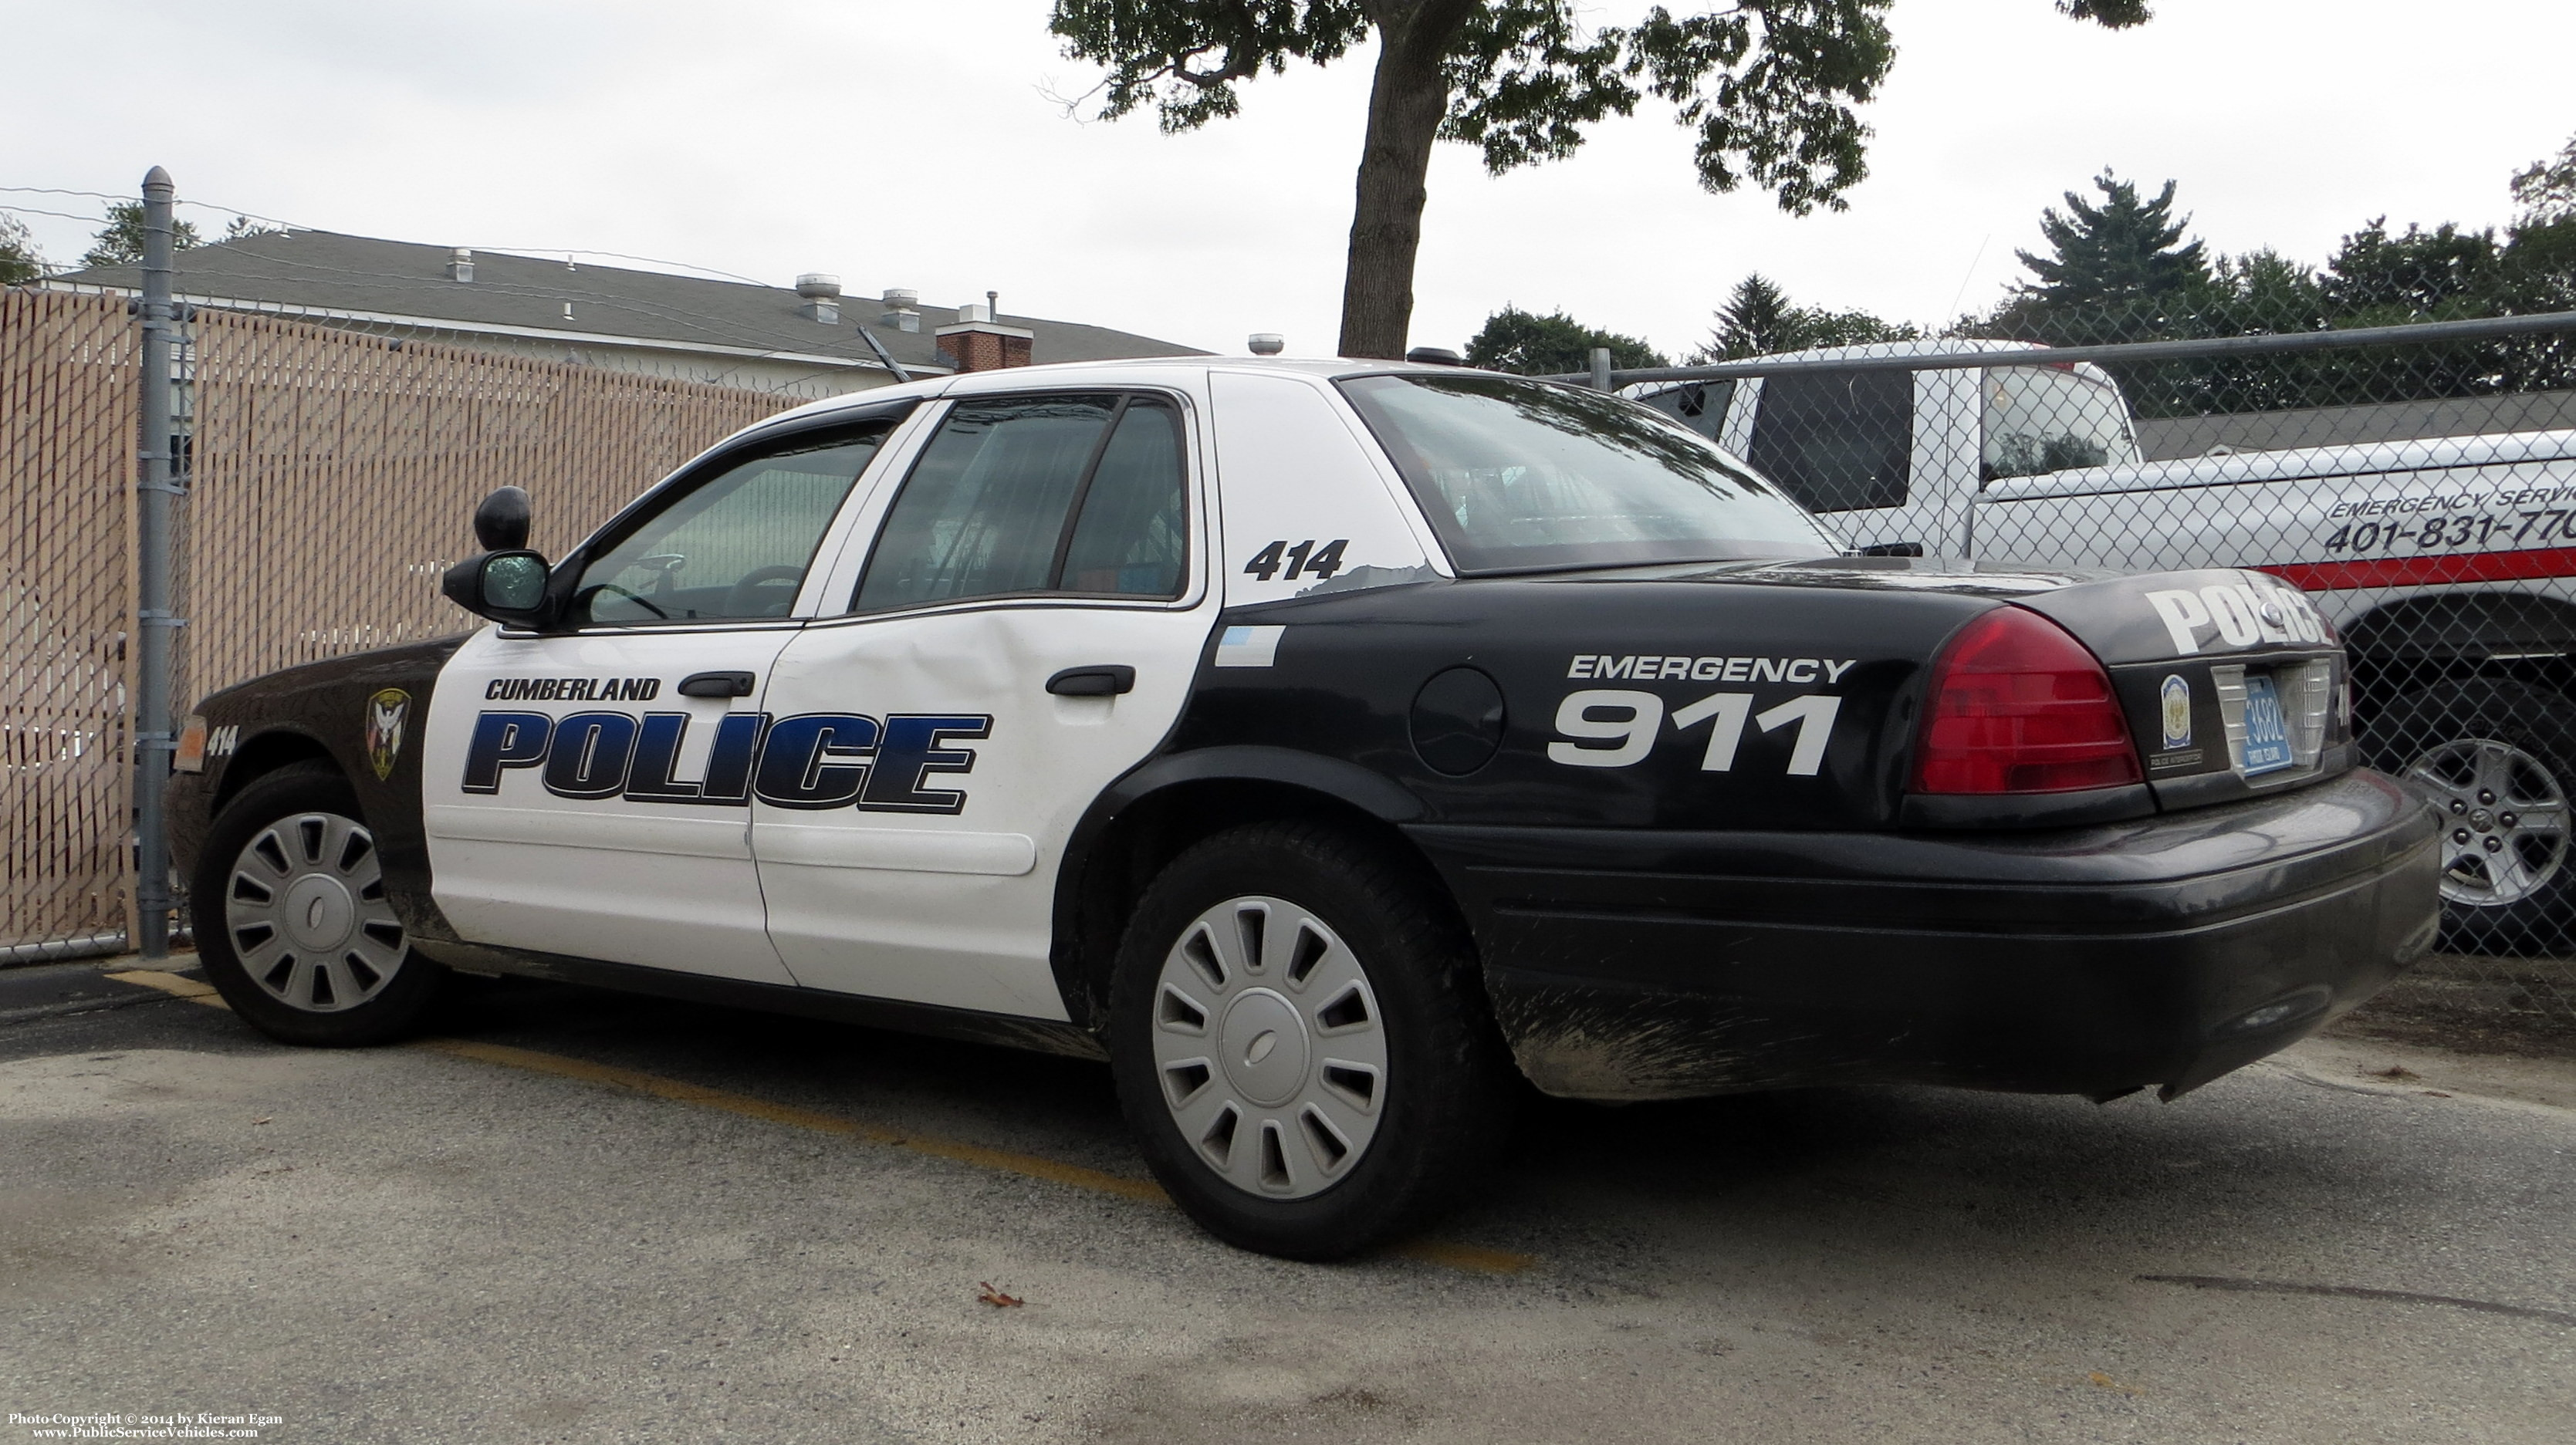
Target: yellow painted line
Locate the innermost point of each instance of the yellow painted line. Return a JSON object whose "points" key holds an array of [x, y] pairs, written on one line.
{"points": [[1051, 1170], [172, 984], [1474, 1258]]}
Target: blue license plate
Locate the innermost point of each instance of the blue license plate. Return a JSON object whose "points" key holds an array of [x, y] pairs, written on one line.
{"points": [[2267, 734]]}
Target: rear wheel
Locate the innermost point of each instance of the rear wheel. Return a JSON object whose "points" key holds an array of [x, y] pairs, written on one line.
{"points": [[1300, 1042], [292, 923], [2498, 758]]}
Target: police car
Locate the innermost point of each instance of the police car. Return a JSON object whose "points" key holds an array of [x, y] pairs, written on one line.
{"points": [[1323, 744]]}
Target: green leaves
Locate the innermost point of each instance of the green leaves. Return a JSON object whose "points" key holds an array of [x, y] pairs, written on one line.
{"points": [[1524, 80], [2111, 14], [1782, 118], [1759, 320], [120, 241], [19, 258], [1183, 57], [1532, 345], [1770, 87]]}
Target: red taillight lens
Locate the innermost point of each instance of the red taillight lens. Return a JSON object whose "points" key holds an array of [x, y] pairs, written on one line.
{"points": [[2018, 706]]}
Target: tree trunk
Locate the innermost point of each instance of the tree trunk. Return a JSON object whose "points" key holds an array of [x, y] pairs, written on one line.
{"points": [[1407, 101]]}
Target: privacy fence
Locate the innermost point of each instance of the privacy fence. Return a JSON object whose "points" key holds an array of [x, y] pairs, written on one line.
{"points": [[328, 475]]}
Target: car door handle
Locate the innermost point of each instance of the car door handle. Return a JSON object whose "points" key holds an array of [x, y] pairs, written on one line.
{"points": [[716, 684], [1105, 680]]}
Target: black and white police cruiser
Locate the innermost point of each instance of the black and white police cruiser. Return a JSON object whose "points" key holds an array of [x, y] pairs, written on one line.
{"points": [[1321, 743]]}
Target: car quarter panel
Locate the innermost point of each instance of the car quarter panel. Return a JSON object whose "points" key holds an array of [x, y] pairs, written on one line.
{"points": [[366, 713]]}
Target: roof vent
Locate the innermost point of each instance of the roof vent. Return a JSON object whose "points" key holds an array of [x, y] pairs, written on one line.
{"points": [[822, 293], [1266, 343], [902, 298], [974, 311], [460, 264]]}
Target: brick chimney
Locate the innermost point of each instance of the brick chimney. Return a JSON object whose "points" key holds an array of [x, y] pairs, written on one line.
{"points": [[979, 343]]}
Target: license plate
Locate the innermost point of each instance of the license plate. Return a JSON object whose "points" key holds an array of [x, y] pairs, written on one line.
{"points": [[2267, 735]]}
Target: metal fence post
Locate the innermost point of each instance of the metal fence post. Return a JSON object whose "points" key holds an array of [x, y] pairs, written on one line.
{"points": [[150, 723], [1601, 368]]}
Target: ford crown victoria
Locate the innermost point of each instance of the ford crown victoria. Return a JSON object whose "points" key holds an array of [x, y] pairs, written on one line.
{"points": [[1331, 747]]}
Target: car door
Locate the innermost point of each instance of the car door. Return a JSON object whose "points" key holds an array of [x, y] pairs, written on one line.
{"points": [[589, 787], [1027, 615]]}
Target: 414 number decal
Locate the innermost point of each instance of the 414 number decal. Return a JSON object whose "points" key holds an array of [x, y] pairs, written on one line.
{"points": [[1305, 559]]}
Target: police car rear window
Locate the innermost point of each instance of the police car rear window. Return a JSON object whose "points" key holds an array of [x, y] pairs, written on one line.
{"points": [[1521, 476]]}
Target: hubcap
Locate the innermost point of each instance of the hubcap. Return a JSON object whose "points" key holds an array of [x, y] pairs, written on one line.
{"points": [[305, 905], [2505, 829], [1269, 1048]]}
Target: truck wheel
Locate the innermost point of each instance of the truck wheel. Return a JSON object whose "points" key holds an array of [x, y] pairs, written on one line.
{"points": [[292, 922], [1300, 1042], [2498, 758]]}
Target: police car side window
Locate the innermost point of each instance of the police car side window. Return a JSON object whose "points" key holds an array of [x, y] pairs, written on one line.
{"points": [[1130, 538], [735, 547], [1077, 493]]}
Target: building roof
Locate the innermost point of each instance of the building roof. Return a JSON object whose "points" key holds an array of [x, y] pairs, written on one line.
{"points": [[360, 277]]}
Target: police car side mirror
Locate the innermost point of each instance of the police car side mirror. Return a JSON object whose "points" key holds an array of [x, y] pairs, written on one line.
{"points": [[501, 521], [508, 586]]}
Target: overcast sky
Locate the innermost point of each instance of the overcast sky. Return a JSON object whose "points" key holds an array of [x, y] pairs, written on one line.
{"points": [[928, 145]]}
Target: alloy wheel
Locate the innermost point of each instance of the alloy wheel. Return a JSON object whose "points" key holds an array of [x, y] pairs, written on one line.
{"points": [[2505, 820]]}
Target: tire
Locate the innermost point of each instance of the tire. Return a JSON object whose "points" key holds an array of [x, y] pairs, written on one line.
{"points": [[2499, 759], [291, 920], [1301, 1043]]}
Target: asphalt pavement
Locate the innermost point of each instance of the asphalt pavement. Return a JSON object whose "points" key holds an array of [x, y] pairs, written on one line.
{"points": [[578, 1216]]}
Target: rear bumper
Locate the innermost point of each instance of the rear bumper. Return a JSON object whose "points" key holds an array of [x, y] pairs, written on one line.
{"points": [[2165, 951]]}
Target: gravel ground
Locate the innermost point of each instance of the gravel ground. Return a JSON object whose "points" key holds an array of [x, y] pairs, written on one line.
{"points": [[605, 1218]]}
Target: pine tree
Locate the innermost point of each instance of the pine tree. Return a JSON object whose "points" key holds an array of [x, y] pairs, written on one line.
{"points": [[1758, 320], [2123, 250]]}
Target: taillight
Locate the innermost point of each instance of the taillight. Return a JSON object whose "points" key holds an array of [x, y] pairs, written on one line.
{"points": [[2018, 706]]}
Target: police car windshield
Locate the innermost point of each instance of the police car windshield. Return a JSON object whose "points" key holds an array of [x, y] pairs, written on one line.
{"points": [[1521, 476]]}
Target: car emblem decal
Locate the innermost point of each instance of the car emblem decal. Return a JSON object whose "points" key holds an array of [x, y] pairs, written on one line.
{"points": [[2177, 712], [387, 711]]}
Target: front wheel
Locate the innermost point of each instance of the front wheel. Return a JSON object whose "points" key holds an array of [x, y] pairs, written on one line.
{"points": [[292, 922], [2498, 758], [1300, 1041]]}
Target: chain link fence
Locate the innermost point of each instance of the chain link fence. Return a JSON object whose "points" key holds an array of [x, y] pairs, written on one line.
{"points": [[2420, 485], [2421, 489], [330, 470]]}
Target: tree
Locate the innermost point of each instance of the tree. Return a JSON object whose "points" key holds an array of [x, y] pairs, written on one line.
{"points": [[1551, 345], [1758, 320], [1768, 85], [2547, 191], [2376, 278], [19, 258], [242, 228], [120, 241], [2123, 250]]}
